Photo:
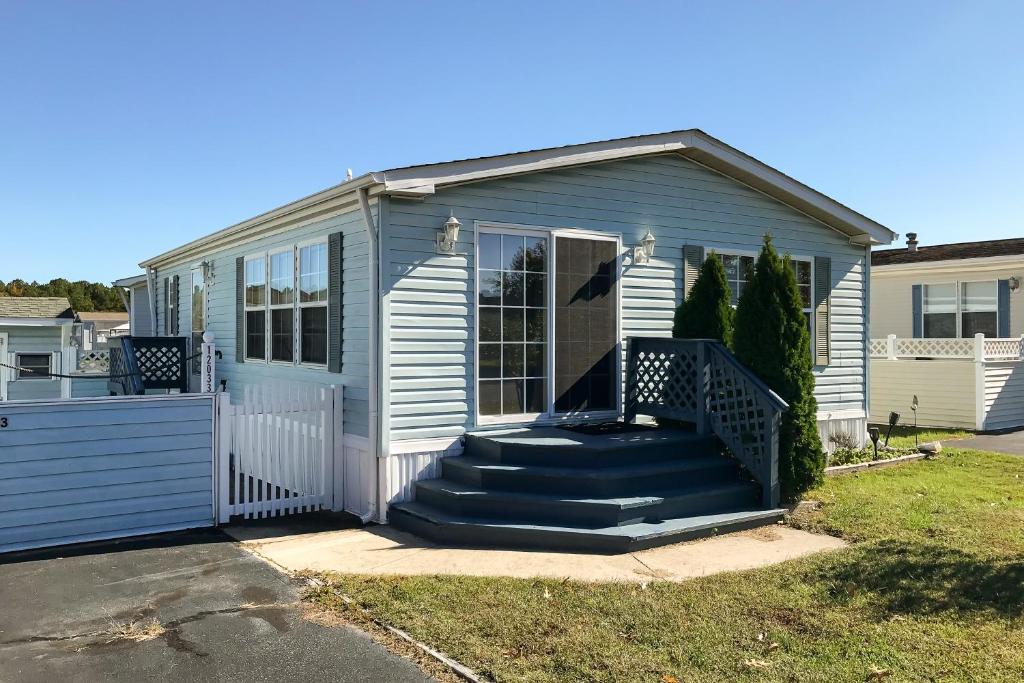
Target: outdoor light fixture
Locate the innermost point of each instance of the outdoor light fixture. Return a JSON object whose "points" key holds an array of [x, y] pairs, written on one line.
{"points": [[207, 268], [894, 419], [448, 236], [1014, 283], [643, 252], [873, 434], [913, 406]]}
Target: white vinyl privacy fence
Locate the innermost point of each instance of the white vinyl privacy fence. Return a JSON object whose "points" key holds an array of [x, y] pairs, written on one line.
{"points": [[90, 469]]}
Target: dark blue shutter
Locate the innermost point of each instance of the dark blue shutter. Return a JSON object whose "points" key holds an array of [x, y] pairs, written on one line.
{"points": [[174, 310], [693, 257], [1003, 315], [334, 302], [240, 309], [915, 307], [822, 297]]}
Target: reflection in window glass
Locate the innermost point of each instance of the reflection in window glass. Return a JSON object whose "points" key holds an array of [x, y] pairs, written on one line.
{"points": [[313, 273], [939, 310], [512, 324], [282, 278]]}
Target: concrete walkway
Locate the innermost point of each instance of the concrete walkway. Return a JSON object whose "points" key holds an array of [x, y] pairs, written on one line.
{"points": [[1010, 443], [385, 550]]}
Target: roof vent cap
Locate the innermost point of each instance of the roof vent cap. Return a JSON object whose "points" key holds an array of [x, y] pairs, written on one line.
{"points": [[911, 241]]}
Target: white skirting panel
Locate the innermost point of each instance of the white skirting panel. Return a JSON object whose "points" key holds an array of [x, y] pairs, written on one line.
{"points": [[854, 425], [403, 470], [360, 478]]}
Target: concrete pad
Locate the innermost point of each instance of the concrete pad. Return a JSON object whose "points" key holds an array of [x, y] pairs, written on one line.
{"points": [[388, 551], [1009, 443]]}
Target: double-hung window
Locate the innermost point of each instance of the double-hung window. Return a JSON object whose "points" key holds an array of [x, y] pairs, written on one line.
{"points": [[33, 365], [286, 305], [960, 309], [313, 303], [256, 308]]}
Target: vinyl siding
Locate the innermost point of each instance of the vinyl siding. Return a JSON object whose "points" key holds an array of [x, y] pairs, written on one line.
{"points": [[138, 466], [1004, 394], [29, 339], [890, 297], [945, 389], [429, 298], [221, 314], [141, 319]]}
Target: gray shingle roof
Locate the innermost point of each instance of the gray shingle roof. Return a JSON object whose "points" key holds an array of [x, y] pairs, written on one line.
{"points": [[948, 252], [35, 307]]}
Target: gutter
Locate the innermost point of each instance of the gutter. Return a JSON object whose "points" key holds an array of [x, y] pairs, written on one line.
{"points": [[151, 290], [373, 349]]}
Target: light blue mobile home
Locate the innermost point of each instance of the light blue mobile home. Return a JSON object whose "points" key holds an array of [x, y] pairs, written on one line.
{"points": [[445, 297], [35, 344]]}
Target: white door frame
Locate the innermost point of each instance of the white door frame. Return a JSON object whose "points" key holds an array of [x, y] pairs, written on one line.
{"points": [[4, 372], [549, 233]]}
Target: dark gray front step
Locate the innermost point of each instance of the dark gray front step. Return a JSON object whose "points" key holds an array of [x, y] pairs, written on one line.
{"points": [[459, 499], [596, 482], [556, 447], [454, 530]]}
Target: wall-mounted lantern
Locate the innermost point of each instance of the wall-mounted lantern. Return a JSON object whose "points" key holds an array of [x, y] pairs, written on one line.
{"points": [[448, 235], [643, 252], [207, 269]]}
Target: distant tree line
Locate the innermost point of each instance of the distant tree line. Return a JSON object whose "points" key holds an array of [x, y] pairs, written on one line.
{"points": [[84, 296]]}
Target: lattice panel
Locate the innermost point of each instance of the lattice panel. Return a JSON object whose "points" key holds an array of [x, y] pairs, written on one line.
{"points": [[740, 417], [1003, 348], [95, 362], [935, 348], [662, 379], [877, 348]]}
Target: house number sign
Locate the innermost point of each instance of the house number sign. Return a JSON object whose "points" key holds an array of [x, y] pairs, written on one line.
{"points": [[3, 422]]}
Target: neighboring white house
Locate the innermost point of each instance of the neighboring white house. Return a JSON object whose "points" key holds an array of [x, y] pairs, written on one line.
{"points": [[500, 291], [928, 306], [35, 341], [97, 328], [135, 295]]}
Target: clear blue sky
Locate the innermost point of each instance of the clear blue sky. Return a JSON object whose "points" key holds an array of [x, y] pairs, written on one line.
{"points": [[131, 127]]}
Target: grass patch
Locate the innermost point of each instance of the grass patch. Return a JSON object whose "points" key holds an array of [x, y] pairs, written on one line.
{"points": [[932, 590], [903, 436]]}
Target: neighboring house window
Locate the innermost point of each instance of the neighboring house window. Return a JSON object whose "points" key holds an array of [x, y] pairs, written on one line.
{"points": [[256, 308], [33, 365], [738, 269], [282, 306], [961, 309], [313, 303]]}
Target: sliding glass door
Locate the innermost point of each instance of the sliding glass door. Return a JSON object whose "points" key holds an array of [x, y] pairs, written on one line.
{"points": [[547, 325]]}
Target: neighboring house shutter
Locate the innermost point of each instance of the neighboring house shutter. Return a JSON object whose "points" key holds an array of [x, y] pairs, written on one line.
{"points": [[167, 307], [176, 303], [156, 306], [822, 298], [915, 310], [693, 257], [334, 302], [1003, 315], [240, 309]]}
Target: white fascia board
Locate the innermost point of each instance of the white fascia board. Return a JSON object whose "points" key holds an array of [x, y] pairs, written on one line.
{"points": [[420, 181], [255, 227], [973, 264], [35, 322], [129, 281]]}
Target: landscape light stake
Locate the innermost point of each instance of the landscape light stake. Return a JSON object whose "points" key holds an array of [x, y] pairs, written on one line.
{"points": [[913, 406], [873, 433], [893, 419]]}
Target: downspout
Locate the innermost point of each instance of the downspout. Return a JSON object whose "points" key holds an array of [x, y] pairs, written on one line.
{"points": [[151, 289], [867, 334], [373, 349]]}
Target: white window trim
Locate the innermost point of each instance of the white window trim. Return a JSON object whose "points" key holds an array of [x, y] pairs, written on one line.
{"points": [[299, 305], [550, 233], [247, 308], [271, 307], [50, 368], [958, 303]]}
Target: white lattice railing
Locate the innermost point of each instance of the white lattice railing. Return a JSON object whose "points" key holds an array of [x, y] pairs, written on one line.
{"points": [[975, 348], [94, 362]]}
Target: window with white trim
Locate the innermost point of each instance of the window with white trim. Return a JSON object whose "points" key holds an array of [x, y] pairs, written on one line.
{"points": [[286, 302], [313, 303], [256, 308], [33, 365], [960, 309]]}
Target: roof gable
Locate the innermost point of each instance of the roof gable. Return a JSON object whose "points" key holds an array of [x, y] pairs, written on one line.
{"points": [[35, 307]]}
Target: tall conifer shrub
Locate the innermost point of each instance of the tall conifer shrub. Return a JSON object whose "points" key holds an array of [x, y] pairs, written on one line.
{"points": [[706, 313], [771, 338]]}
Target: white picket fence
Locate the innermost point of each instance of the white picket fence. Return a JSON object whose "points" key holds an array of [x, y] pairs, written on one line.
{"points": [[281, 442]]}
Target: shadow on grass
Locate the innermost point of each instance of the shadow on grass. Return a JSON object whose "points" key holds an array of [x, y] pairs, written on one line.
{"points": [[915, 578]]}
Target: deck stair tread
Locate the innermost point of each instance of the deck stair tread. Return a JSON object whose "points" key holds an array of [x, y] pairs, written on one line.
{"points": [[697, 463], [458, 489]]}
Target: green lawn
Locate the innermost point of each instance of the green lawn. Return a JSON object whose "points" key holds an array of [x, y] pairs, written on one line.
{"points": [[903, 436], [932, 589]]}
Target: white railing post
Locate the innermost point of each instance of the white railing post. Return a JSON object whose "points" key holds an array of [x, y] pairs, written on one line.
{"points": [[1020, 347], [207, 378], [979, 347], [337, 452], [890, 347], [222, 457], [979, 381]]}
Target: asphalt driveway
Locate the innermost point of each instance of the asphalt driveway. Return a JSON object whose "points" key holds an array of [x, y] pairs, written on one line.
{"points": [[186, 607], [1011, 443]]}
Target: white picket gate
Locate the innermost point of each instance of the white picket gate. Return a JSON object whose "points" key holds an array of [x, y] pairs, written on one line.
{"points": [[277, 450]]}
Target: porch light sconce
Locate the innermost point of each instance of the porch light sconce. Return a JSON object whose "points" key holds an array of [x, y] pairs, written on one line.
{"points": [[207, 269], [448, 236], [643, 252], [1014, 283]]}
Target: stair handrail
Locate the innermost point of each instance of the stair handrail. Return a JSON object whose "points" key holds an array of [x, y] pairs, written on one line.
{"points": [[745, 413], [700, 381]]}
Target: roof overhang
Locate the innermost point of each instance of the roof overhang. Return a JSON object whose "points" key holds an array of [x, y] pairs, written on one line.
{"points": [[419, 181], [133, 281], [36, 322], [975, 265]]}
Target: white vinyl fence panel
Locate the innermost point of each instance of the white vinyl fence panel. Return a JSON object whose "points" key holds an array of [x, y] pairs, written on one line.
{"points": [[91, 469]]}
